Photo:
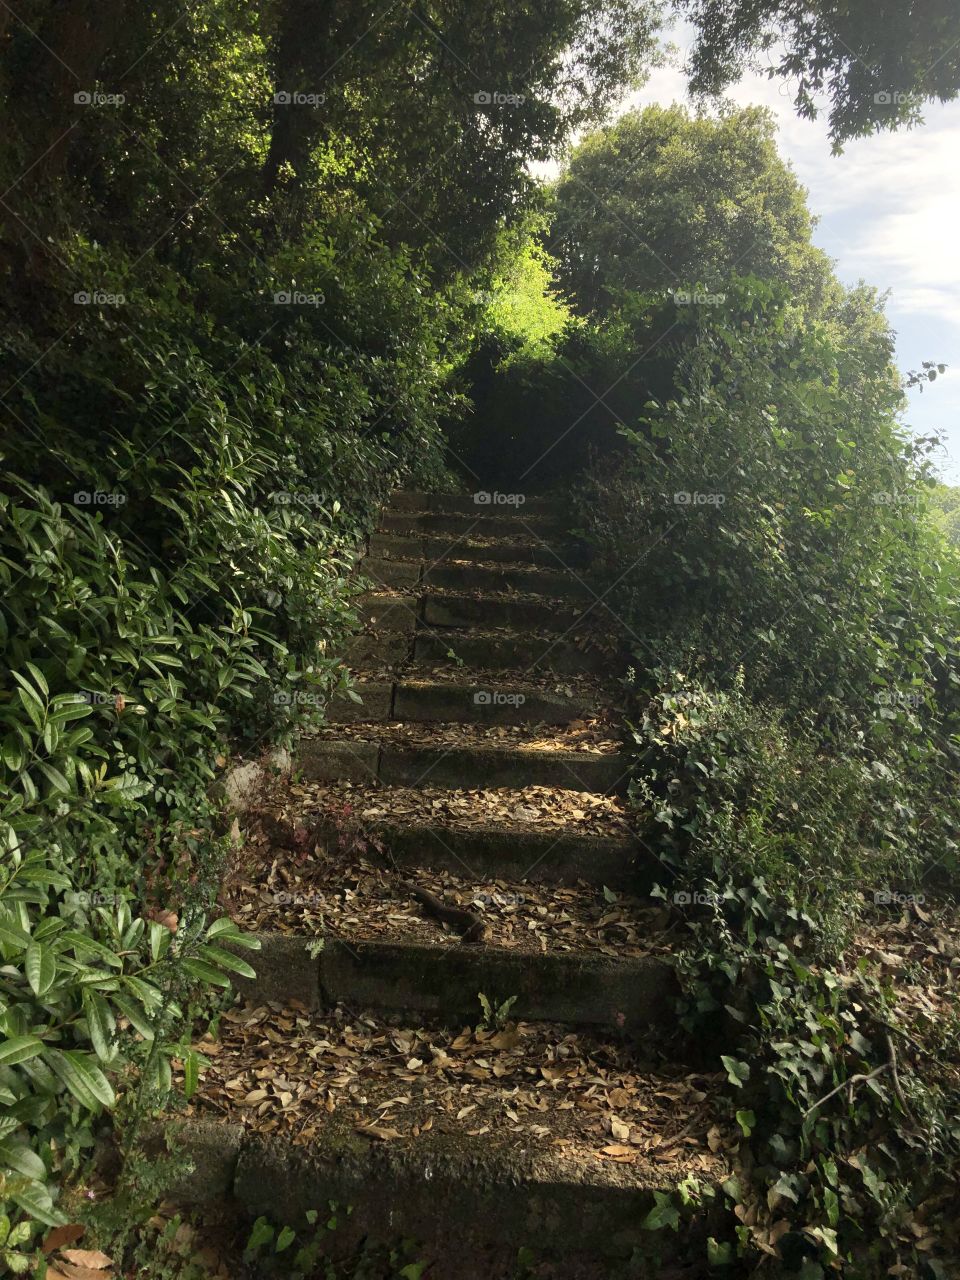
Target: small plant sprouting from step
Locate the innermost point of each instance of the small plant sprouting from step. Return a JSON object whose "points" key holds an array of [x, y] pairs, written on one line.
{"points": [[267, 1243], [495, 1015], [455, 658]]}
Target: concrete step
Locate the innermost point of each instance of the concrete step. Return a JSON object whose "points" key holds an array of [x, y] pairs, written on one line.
{"points": [[501, 853], [556, 583], [383, 613], [408, 611], [501, 611], [470, 1203], [374, 652], [423, 980], [514, 525], [395, 575], [398, 764], [413, 576], [472, 703], [473, 649], [431, 549], [472, 1143], [505, 650], [481, 502]]}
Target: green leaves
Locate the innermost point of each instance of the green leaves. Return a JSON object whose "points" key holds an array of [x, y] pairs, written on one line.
{"points": [[19, 1049], [665, 1213], [737, 1072], [191, 1075], [84, 1079], [102, 1026], [40, 966]]}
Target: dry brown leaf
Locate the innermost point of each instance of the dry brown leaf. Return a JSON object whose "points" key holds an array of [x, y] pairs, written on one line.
{"points": [[379, 1131], [68, 1271], [87, 1258], [69, 1233], [508, 1039]]}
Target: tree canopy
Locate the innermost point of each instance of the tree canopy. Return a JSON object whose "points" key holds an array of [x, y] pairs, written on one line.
{"points": [[666, 200], [874, 62]]}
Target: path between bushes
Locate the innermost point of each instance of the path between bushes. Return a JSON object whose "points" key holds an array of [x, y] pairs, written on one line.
{"points": [[521, 1090]]}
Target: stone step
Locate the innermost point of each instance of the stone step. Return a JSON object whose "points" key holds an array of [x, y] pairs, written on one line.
{"points": [[503, 650], [481, 502], [556, 583], [472, 703], [531, 527], [475, 650], [501, 611], [411, 575], [408, 611], [397, 764], [379, 650], [418, 979], [472, 1143], [431, 549], [466, 1201], [501, 853], [395, 575]]}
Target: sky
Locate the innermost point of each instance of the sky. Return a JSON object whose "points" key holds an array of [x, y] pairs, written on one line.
{"points": [[889, 210]]}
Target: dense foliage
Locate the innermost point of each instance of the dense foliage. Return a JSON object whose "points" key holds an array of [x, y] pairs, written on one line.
{"points": [[256, 259], [663, 200], [874, 61]]}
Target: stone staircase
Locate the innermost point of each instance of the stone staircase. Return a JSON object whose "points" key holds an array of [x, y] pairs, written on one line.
{"points": [[482, 765]]}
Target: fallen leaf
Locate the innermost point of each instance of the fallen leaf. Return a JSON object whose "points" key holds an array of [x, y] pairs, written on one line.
{"points": [[67, 1271], [59, 1236], [87, 1258], [379, 1131]]}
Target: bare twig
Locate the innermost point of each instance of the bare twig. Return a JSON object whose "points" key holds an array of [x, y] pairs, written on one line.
{"points": [[860, 1078], [914, 1043]]}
